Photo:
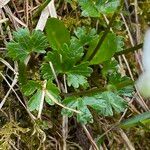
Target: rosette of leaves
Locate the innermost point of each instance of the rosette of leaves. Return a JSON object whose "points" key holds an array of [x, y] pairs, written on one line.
{"points": [[66, 57], [66, 54]]}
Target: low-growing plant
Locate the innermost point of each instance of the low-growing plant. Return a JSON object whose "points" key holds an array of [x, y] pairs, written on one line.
{"points": [[72, 79], [65, 76]]}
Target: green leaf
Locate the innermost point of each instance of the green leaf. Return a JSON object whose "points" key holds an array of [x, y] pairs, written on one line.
{"points": [[133, 121], [60, 65], [76, 80], [57, 33], [113, 101], [35, 100], [120, 43], [86, 116], [95, 102], [107, 6], [55, 58], [88, 8], [64, 64], [71, 54], [77, 103], [71, 102], [91, 47], [25, 43], [34, 90], [22, 36], [109, 67], [104, 103], [66, 59], [84, 36], [93, 8], [117, 80], [38, 41], [46, 71], [127, 91], [30, 87], [53, 89], [81, 69], [16, 52], [107, 49]]}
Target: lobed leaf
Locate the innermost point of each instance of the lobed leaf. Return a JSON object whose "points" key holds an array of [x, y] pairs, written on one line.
{"points": [[84, 36], [76, 80], [88, 8], [34, 90], [109, 67], [34, 101], [86, 116], [93, 8], [53, 89], [64, 63], [77, 103], [30, 87], [107, 6], [104, 103], [71, 102], [72, 52], [81, 69], [25, 43], [113, 102]]}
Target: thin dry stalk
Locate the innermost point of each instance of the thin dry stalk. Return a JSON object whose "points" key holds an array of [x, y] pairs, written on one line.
{"points": [[32, 117], [27, 12], [8, 92], [42, 99], [56, 101], [3, 3], [13, 18], [54, 74], [126, 139], [50, 10], [65, 121], [131, 40], [90, 138], [141, 102]]}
